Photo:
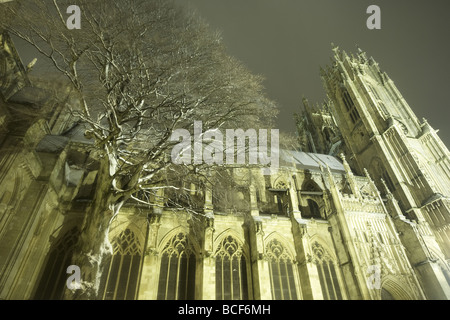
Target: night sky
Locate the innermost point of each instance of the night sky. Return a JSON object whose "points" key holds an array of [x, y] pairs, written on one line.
{"points": [[287, 40]]}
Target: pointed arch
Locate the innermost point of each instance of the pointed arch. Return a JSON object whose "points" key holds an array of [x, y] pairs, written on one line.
{"points": [[175, 231], [122, 269], [280, 183], [232, 267], [178, 266], [310, 185], [288, 245], [53, 279], [123, 222], [316, 241], [278, 194], [281, 268], [327, 269], [233, 233]]}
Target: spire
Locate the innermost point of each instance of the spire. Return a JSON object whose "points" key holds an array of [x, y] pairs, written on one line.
{"points": [[395, 210], [388, 192], [358, 49], [361, 54], [350, 176], [345, 163], [337, 52], [426, 126], [372, 183], [305, 103]]}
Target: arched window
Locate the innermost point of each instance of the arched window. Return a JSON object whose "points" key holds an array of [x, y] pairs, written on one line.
{"points": [[350, 106], [348, 102], [281, 270], [53, 279], [231, 271], [327, 273], [314, 209], [177, 272], [122, 269]]}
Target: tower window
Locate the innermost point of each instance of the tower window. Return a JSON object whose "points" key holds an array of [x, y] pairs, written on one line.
{"points": [[347, 100], [350, 106]]}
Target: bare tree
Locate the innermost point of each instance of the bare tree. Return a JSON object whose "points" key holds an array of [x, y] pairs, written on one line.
{"points": [[141, 69]]}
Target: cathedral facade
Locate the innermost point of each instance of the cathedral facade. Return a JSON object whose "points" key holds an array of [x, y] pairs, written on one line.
{"points": [[361, 212]]}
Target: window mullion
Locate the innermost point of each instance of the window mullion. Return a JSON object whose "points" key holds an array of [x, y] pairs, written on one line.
{"points": [[287, 279], [231, 276], [167, 276], [118, 276], [128, 276], [240, 280], [280, 280], [108, 277], [325, 290]]}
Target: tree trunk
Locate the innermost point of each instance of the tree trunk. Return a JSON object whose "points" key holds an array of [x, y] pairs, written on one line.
{"points": [[94, 245]]}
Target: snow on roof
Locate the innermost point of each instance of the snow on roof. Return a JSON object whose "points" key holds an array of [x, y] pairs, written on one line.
{"points": [[311, 161]]}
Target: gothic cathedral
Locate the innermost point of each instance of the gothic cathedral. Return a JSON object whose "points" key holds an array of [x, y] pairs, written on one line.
{"points": [[360, 212]]}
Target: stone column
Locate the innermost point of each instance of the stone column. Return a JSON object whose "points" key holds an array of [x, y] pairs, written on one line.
{"points": [[148, 289], [208, 283]]}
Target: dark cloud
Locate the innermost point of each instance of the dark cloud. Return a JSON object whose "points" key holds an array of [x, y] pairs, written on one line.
{"points": [[287, 40]]}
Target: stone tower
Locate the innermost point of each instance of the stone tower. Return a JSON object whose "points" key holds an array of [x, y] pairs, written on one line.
{"points": [[404, 156], [317, 130], [313, 229]]}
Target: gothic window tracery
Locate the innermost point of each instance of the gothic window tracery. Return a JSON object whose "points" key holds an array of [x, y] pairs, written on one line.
{"points": [[327, 273], [53, 280], [177, 272], [122, 269], [281, 270], [231, 271], [278, 199], [350, 106]]}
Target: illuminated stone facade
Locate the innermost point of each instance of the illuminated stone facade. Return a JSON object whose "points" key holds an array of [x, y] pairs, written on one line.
{"points": [[320, 227]]}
